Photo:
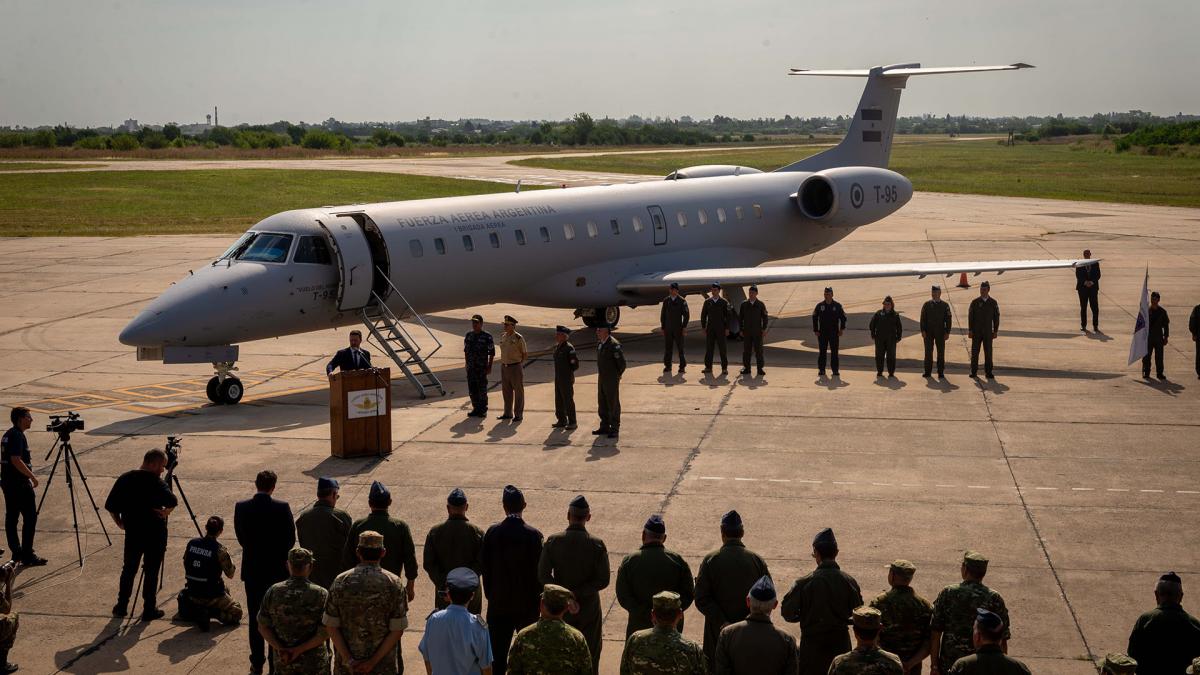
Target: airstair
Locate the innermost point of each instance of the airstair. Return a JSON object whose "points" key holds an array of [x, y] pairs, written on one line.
{"points": [[390, 334]]}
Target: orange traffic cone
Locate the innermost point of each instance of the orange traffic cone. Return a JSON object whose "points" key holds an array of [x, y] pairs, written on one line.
{"points": [[962, 281]]}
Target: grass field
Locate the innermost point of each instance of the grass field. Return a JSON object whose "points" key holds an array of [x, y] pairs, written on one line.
{"points": [[44, 166], [119, 203], [1056, 171]]}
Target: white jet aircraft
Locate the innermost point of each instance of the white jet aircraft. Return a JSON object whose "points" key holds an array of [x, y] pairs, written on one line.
{"points": [[591, 249]]}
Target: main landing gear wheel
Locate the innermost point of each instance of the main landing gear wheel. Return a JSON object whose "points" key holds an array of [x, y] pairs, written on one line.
{"points": [[230, 391], [211, 389], [603, 315]]}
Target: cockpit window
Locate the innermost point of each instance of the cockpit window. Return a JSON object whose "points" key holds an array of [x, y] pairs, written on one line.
{"points": [[267, 247], [312, 250], [238, 246]]}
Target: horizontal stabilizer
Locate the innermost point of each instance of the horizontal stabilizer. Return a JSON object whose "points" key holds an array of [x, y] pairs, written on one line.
{"points": [[700, 279], [907, 69]]}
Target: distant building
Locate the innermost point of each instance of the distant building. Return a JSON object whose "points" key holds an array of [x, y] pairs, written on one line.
{"points": [[131, 126]]}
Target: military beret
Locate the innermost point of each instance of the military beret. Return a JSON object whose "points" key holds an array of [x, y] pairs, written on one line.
{"points": [[1120, 664], [716, 284], [825, 538], [326, 483], [988, 620], [666, 601], [580, 502], [562, 329], [887, 298], [985, 284], [557, 593], [754, 288], [512, 496], [733, 520], [903, 568], [656, 525], [300, 556], [509, 319], [370, 539], [974, 560], [378, 491], [829, 289], [1155, 295], [675, 285], [936, 288], [1193, 669], [462, 579], [866, 618], [456, 497], [1171, 577], [476, 317], [763, 589]]}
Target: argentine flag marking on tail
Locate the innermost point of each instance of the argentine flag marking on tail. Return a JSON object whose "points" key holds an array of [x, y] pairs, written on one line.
{"points": [[1140, 346]]}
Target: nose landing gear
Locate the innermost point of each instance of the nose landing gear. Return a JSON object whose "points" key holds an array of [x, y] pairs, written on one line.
{"points": [[224, 387]]}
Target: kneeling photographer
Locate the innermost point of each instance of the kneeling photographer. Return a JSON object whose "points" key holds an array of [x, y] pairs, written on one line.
{"points": [[18, 482], [139, 504], [205, 597]]}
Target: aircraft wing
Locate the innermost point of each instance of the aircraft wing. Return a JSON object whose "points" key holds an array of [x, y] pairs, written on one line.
{"points": [[744, 276]]}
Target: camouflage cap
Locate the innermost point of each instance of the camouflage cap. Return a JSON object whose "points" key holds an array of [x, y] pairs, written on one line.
{"points": [[556, 593], [866, 618], [370, 539], [300, 556], [975, 561], [1120, 664], [903, 568], [666, 601], [1193, 669]]}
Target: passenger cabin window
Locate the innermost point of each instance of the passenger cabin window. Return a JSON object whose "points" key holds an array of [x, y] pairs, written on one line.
{"points": [[267, 247], [592, 230], [681, 217], [720, 215], [440, 245], [468, 245], [312, 250], [702, 216], [758, 211], [495, 239], [738, 211], [637, 224], [414, 247], [545, 232], [520, 237], [616, 226], [569, 231]]}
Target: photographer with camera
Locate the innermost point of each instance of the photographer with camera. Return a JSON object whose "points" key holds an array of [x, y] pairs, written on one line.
{"points": [[139, 504], [18, 482]]}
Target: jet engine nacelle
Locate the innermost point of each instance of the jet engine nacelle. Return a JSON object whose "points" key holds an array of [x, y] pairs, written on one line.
{"points": [[852, 195], [711, 170]]}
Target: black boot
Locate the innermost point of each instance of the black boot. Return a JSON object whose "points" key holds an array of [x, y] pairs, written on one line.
{"points": [[5, 666]]}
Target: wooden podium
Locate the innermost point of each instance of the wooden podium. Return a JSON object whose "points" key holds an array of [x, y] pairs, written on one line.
{"points": [[360, 412]]}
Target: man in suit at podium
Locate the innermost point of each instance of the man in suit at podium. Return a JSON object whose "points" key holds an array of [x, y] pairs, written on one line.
{"points": [[353, 357]]}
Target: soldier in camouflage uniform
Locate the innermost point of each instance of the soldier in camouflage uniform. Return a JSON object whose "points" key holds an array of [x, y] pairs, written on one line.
{"points": [[578, 561], [989, 657], [204, 561], [290, 619], [822, 602], [8, 616], [662, 650], [323, 528], [457, 542], [954, 613], [1120, 664], [550, 646], [866, 658], [367, 612], [651, 569], [725, 577], [479, 350], [905, 618]]}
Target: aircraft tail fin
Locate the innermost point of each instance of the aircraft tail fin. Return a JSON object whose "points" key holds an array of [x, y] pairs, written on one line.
{"points": [[869, 140]]}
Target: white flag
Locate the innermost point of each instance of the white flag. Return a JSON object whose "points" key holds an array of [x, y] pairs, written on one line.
{"points": [[1140, 346]]}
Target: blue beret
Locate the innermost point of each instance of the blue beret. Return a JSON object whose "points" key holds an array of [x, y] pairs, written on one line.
{"points": [[326, 483], [656, 525], [763, 589], [462, 579], [825, 537], [733, 519], [562, 329], [580, 502], [675, 285], [512, 496], [378, 491], [989, 621], [456, 497]]}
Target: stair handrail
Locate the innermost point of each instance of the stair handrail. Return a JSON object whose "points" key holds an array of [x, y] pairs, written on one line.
{"points": [[383, 305]]}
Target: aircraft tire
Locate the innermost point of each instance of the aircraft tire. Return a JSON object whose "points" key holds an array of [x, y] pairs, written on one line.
{"points": [[603, 315], [230, 391], [211, 389]]}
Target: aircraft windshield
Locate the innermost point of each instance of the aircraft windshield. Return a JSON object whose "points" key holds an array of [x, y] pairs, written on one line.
{"points": [[238, 246], [266, 247]]}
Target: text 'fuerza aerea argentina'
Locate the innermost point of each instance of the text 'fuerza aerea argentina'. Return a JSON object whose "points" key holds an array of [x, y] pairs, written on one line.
{"points": [[474, 217]]}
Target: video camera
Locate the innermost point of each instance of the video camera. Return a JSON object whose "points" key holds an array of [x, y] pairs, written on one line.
{"points": [[64, 427], [173, 449]]}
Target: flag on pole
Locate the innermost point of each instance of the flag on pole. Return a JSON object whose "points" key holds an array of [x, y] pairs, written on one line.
{"points": [[1140, 346]]}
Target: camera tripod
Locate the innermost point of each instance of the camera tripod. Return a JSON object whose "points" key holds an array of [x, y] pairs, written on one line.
{"points": [[66, 457]]}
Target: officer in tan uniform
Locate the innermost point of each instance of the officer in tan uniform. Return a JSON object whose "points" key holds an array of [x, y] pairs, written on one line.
{"points": [[513, 353]]}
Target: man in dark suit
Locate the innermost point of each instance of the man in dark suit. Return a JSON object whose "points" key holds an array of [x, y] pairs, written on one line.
{"points": [[353, 357], [510, 554], [266, 531], [1087, 284]]}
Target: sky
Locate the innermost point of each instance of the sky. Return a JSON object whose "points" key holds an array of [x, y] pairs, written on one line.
{"points": [[98, 62]]}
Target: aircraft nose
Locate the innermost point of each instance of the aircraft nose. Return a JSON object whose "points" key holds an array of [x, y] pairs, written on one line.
{"points": [[144, 331]]}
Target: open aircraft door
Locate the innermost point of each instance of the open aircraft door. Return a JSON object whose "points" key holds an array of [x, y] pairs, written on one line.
{"points": [[356, 270]]}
